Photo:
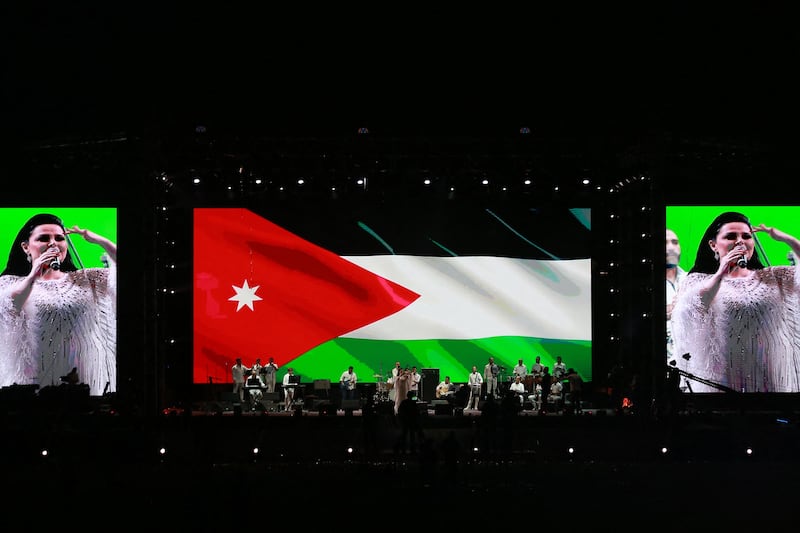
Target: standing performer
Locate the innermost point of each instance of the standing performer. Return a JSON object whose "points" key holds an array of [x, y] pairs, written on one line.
{"points": [[401, 385], [490, 372], [475, 382], [268, 372]]}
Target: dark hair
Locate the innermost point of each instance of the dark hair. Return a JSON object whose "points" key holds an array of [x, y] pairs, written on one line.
{"points": [[704, 261], [18, 264]]}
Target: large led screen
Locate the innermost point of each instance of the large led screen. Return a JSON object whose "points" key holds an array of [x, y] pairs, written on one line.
{"points": [[446, 286], [733, 298], [58, 301]]}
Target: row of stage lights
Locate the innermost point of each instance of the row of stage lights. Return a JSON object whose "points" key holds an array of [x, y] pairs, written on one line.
{"points": [[253, 183], [353, 452], [244, 183]]}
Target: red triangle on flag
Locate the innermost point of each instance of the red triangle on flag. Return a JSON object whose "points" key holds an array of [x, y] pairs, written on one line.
{"points": [[261, 291]]}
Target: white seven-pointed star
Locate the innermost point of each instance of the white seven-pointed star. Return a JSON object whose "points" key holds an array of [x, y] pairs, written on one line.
{"points": [[245, 295]]}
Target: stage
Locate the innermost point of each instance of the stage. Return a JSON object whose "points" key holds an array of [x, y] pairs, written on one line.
{"points": [[200, 463]]}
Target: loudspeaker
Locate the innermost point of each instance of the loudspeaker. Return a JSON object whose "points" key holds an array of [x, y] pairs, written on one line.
{"points": [[326, 408], [446, 409], [269, 405], [230, 397], [430, 379], [351, 404]]}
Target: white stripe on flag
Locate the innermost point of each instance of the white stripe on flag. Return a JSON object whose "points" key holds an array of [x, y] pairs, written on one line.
{"points": [[479, 297]]}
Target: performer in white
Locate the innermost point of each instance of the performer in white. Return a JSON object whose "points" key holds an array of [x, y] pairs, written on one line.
{"points": [[474, 382], [54, 314]]}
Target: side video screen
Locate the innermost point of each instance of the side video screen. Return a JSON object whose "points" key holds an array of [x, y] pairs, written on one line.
{"points": [[733, 298], [58, 297]]}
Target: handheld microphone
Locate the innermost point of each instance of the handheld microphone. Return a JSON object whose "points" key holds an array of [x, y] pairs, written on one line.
{"points": [[55, 263], [742, 262]]}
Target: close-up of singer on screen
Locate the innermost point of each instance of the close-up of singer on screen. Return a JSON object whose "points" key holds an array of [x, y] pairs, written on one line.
{"points": [[736, 320], [56, 315]]}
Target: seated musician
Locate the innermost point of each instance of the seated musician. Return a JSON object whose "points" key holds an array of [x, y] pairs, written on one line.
{"points": [[255, 387], [446, 389], [536, 396], [537, 369], [556, 394], [517, 388]]}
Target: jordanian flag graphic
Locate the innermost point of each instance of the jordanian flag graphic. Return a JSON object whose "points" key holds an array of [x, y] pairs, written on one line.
{"points": [[323, 289]]}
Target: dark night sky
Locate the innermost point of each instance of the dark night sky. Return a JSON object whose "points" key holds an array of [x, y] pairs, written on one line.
{"points": [[91, 71]]}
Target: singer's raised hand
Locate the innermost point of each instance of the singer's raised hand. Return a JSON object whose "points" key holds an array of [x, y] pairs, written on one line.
{"points": [[94, 238], [87, 235], [780, 236], [773, 232]]}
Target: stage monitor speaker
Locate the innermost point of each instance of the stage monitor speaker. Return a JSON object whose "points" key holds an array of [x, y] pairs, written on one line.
{"points": [[230, 397], [351, 404], [326, 408], [446, 409], [430, 379]]}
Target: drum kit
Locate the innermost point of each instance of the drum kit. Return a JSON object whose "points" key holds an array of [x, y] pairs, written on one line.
{"points": [[382, 388]]}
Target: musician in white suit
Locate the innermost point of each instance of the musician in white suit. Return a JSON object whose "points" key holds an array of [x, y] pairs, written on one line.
{"points": [[347, 383], [474, 382], [255, 386], [288, 389], [239, 373], [518, 389]]}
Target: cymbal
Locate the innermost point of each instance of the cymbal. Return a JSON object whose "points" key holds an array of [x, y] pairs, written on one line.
{"points": [[377, 375]]}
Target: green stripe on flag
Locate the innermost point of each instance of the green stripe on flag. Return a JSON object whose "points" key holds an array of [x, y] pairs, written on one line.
{"points": [[452, 357]]}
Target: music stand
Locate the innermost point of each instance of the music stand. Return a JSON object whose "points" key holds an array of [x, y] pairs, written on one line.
{"points": [[323, 385], [321, 389]]}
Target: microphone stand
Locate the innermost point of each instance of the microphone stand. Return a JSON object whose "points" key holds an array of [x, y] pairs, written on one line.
{"points": [[708, 382]]}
